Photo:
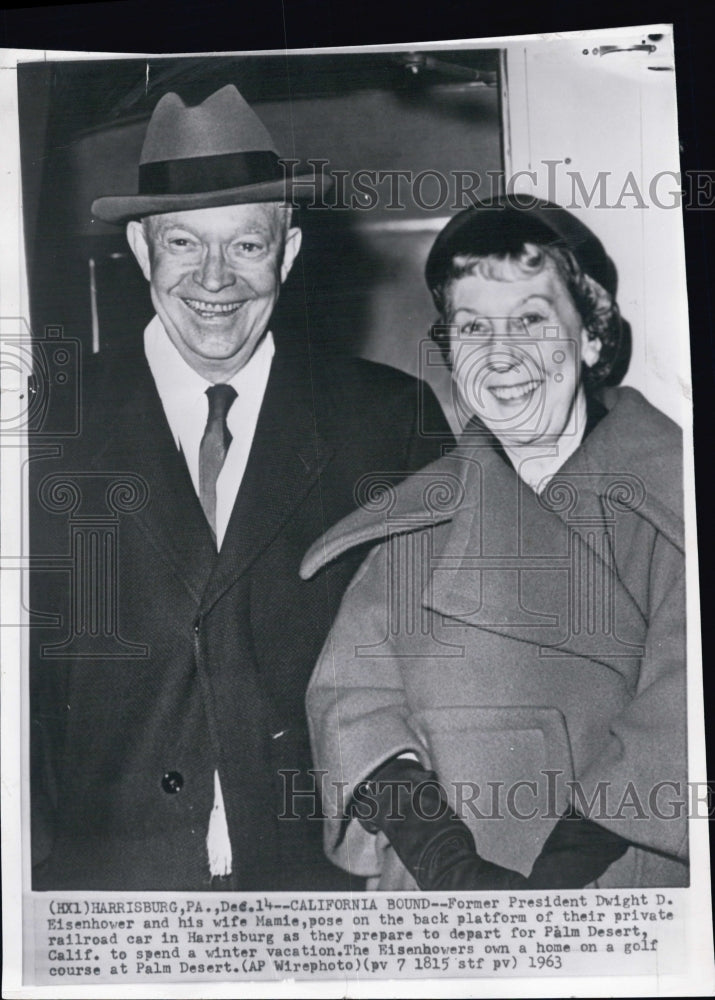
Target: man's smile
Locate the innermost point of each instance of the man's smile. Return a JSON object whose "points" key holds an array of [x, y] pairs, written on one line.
{"points": [[207, 310]]}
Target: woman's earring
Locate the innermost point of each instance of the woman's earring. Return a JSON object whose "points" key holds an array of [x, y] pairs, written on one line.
{"points": [[591, 350]]}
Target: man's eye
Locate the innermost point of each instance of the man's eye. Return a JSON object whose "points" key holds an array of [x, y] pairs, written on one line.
{"points": [[180, 242], [248, 248]]}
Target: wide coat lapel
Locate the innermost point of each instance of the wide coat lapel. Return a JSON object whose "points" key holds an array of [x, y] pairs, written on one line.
{"points": [[286, 458], [565, 542], [140, 441], [511, 562], [516, 565]]}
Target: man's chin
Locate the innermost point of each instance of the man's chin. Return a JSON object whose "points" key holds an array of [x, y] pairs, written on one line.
{"points": [[212, 341]]}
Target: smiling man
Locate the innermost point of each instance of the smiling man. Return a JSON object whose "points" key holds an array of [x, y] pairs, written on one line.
{"points": [[215, 275], [171, 748]]}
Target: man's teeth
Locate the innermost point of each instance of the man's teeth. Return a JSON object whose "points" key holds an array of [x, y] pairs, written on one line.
{"points": [[514, 391], [211, 308]]}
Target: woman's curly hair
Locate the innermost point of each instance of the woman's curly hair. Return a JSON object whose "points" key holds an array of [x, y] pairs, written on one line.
{"points": [[597, 307]]}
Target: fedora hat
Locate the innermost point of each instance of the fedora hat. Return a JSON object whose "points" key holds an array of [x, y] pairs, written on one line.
{"points": [[216, 153], [503, 225]]}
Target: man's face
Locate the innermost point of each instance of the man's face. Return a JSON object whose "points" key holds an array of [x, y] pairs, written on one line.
{"points": [[215, 275]]}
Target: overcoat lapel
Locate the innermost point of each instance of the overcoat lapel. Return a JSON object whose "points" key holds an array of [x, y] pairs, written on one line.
{"points": [[140, 441], [514, 564], [286, 458], [538, 569]]}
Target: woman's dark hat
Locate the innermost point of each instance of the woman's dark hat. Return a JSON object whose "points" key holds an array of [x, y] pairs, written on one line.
{"points": [[503, 225], [217, 153]]}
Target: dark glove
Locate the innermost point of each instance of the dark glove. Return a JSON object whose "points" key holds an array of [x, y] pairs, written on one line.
{"points": [[407, 804]]}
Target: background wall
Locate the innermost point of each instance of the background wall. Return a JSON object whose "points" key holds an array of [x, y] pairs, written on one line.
{"points": [[619, 120], [358, 284]]}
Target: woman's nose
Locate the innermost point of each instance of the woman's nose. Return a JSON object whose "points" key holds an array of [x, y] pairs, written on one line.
{"points": [[502, 360]]}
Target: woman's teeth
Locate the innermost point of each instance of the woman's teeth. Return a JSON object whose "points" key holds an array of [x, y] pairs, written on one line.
{"points": [[212, 308], [514, 391]]}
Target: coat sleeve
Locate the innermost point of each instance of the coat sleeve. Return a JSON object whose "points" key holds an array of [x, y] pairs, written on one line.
{"points": [[358, 713], [641, 776]]}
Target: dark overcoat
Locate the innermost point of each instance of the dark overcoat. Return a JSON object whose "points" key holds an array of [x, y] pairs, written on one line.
{"points": [[529, 648], [156, 661]]}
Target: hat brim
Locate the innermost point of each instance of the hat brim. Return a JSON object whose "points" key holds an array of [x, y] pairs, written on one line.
{"points": [[118, 209]]}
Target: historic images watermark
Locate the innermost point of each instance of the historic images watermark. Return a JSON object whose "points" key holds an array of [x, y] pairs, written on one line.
{"points": [[667, 799], [47, 371], [476, 347], [435, 191]]}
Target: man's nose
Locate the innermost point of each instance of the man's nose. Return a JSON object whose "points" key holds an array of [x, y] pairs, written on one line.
{"points": [[214, 272]]}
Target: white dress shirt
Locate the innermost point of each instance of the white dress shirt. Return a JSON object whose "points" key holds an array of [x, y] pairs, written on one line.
{"points": [[183, 395]]}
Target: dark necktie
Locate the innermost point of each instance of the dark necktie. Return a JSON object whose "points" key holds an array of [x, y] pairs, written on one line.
{"points": [[213, 448]]}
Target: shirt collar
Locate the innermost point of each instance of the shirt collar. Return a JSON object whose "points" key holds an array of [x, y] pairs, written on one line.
{"points": [[179, 385]]}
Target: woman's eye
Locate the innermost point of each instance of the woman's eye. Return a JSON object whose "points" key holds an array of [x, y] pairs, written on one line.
{"points": [[532, 319], [475, 328]]}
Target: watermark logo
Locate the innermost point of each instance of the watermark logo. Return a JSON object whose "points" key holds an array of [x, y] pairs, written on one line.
{"points": [[367, 189], [45, 372], [667, 800], [93, 503]]}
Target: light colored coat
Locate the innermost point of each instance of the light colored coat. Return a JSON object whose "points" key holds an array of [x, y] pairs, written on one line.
{"points": [[518, 643]]}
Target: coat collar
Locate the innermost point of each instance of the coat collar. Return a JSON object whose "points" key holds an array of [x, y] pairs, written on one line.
{"points": [[138, 439], [640, 443], [286, 457], [500, 554]]}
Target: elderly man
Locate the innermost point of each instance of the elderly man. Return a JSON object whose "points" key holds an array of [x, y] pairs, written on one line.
{"points": [[170, 745]]}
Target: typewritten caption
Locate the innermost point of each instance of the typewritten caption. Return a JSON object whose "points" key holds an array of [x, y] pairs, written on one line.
{"points": [[103, 938]]}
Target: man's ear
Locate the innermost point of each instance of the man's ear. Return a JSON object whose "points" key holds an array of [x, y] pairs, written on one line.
{"points": [[294, 238], [139, 246], [590, 348]]}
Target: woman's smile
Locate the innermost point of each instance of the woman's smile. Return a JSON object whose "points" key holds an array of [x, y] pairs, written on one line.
{"points": [[509, 393]]}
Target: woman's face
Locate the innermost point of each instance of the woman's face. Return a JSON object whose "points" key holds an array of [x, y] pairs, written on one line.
{"points": [[516, 350]]}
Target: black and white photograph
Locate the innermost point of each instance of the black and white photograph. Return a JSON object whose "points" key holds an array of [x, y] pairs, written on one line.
{"points": [[349, 564]]}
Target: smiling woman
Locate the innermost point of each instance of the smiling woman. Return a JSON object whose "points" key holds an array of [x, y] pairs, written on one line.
{"points": [[522, 628], [523, 328], [525, 394]]}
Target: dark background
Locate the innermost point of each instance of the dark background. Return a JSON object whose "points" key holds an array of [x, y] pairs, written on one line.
{"points": [[183, 26], [358, 284]]}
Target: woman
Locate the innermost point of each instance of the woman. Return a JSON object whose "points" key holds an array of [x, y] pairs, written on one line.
{"points": [[501, 702]]}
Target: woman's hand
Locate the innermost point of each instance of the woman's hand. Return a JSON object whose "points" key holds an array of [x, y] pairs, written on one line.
{"points": [[407, 804]]}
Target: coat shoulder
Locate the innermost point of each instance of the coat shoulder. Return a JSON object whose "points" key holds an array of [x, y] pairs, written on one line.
{"points": [[357, 382], [369, 400], [646, 443], [629, 405], [426, 498]]}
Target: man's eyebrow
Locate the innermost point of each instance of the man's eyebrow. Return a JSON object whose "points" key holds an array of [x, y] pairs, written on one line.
{"points": [[163, 227], [252, 231]]}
